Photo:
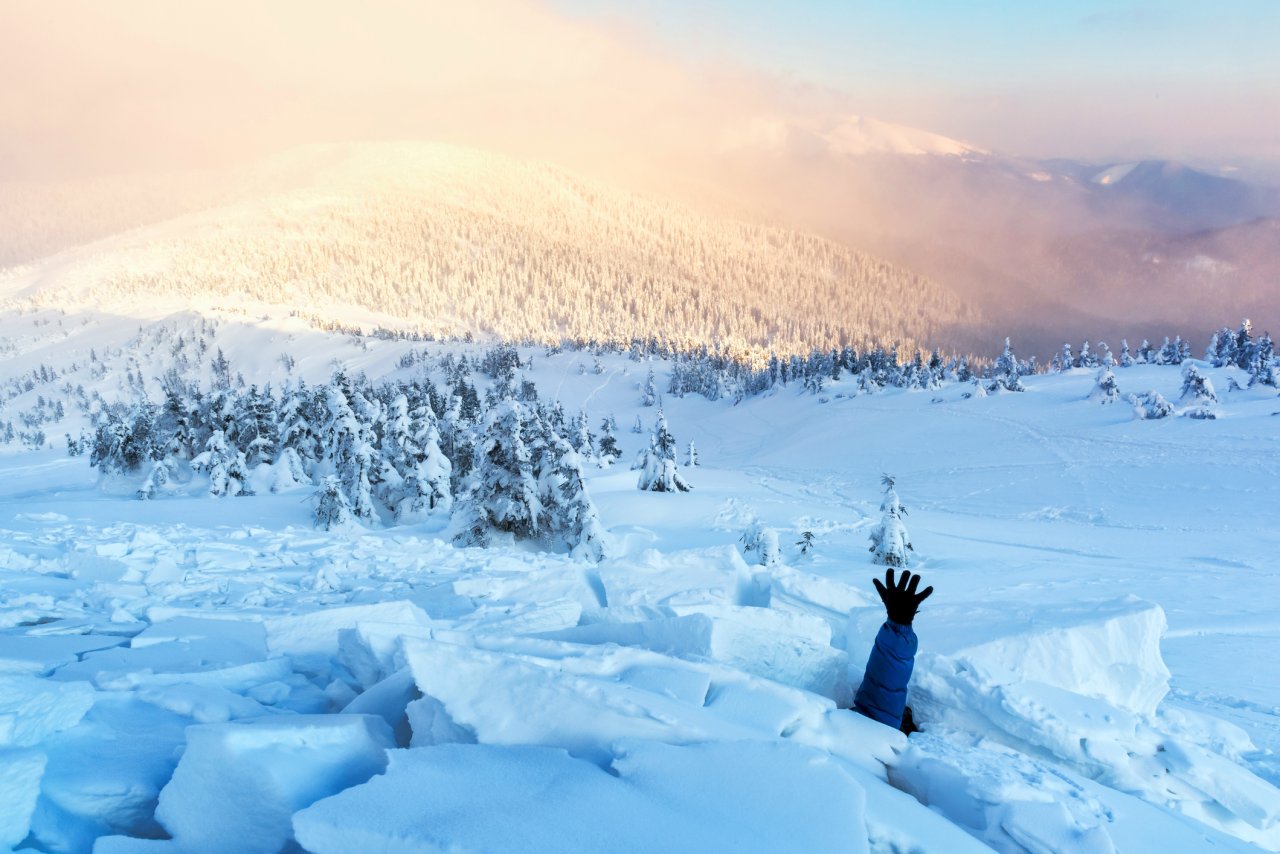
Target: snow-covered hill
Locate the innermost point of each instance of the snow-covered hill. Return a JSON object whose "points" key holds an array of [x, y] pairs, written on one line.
{"points": [[451, 241], [1096, 667]]}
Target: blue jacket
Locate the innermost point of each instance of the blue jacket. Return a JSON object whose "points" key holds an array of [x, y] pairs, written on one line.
{"points": [[883, 693]]}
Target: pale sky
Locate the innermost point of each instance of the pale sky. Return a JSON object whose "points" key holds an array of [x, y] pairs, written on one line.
{"points": [[92, 87], [1035, 77]]}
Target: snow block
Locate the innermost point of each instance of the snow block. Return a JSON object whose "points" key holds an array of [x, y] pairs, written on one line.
{"points": [[250, 634], [658, 798], [40, 655], [20, 773], [314, 636], [103, 776], [372, 650], [585, 704], [238, 784], [1108, 650], [32, 709], [790, 648]]}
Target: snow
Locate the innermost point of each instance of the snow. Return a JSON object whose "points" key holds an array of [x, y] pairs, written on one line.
{"points": [[650, 797], [20, 772], [239, 784], [1096, 671]]}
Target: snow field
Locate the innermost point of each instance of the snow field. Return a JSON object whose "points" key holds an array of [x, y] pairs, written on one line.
{"points": [[675, 685]]}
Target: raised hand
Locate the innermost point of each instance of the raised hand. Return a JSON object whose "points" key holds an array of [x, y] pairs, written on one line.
{"points": [[901, 600]]}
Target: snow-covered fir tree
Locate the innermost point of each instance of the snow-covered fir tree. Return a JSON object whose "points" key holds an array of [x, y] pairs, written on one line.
{"points": [[426, 491], [1006, 375], [609, 452], [1066, 361], [504, 494], [1150, 405], [225, 465], [1197, 389], [889, 540], [1263, 369], [760, 545], [649, 394], [691, 457], [162, 473], [1126, 358], [659, 472], [569, 516], [1105, 389], [332, 510]]}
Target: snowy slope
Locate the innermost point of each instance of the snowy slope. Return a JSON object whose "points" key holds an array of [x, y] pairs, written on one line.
{"points": [[676, 685], [453, 241]]}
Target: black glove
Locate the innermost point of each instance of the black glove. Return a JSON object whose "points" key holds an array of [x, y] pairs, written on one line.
{"points": [[901, 601]]}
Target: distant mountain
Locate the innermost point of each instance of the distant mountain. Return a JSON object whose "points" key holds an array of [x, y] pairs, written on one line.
{"points": [[452, 241]]}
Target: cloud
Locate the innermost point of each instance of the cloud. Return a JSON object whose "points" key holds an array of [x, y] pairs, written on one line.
{"points": [[151, 82]]}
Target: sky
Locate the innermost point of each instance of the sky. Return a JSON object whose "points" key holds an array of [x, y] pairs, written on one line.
{"points": [[1045, 78], [99, 87]]}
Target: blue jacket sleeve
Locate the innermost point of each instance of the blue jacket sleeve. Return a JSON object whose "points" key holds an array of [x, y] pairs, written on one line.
{"points": [[882, 696]]}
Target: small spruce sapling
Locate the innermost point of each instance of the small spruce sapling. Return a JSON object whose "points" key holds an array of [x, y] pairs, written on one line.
{"points": [[889, 540]]}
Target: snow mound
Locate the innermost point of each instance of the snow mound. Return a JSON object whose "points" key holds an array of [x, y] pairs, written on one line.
{"points": [[652, 797], [32, 709], [238, 784], [1108, 650]]}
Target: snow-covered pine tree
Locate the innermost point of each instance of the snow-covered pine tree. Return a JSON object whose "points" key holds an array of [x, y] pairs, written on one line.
{"points": [[638, 427], [583, 442], [1244, 349], [162, 473], [332, 510], [760, 545], [225, 465], [349, 451], [660, 472], [568, 515], [1150, 405], [1005, 376], [1106, 360], [1086, 359], [288, 471], [609, 451], [1065, 360], [691, 458], [426, 489], [649, 394], [1146, 356], [1197, 389], [1105, 389], [1263, 369], [889, 540], [504, 496], [1126, 358]]}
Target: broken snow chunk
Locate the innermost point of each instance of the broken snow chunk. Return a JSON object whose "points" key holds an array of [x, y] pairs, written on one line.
{"points": [[793, 649], [238, 784], [372, 650], [40, 655], [20, 773], [250, 634], [32, 709], [316, 633], [657, 798]]}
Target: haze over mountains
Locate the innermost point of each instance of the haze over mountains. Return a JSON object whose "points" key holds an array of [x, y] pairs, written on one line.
{"points": [[797, 234]]}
